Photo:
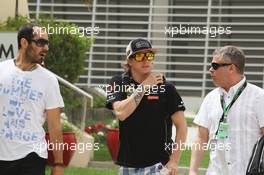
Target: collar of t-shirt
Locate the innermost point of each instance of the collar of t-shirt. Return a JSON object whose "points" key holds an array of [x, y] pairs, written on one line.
{"points": [[128, 79], [228, 96]]}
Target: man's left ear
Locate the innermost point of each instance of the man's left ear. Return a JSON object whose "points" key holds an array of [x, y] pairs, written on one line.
{"points": [[233, 68], [24, 42]]}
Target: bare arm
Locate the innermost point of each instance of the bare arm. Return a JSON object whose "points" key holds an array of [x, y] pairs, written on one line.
{"points": [[181, 132], [197, 150], [55, 132], [123, 109]]}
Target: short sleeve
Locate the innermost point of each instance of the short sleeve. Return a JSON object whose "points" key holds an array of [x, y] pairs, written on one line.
{"points": [[175, 102], [201, 119], [260, 110], [115, 91], [53, 98]]}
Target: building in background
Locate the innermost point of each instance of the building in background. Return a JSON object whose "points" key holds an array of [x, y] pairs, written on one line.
{"points": [[184, 57], [8, 8]]}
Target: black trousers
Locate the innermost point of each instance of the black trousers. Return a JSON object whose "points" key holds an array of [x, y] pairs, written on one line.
{"points": [[32, 164]]}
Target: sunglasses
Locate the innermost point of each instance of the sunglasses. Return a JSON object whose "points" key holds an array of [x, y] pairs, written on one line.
{"points": [[215, 66], [41, 42], [139, 57]]}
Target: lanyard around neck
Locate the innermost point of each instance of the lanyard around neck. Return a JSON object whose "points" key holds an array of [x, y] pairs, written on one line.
{"points": [[227, 108]]}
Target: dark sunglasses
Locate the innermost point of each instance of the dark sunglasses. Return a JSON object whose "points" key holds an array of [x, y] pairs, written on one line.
{"points": [[41, 42], [215, 66], [139, 57]]}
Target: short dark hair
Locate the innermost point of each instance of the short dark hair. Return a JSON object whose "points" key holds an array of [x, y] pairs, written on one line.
{"points": [[234, 54], [26, 31]]}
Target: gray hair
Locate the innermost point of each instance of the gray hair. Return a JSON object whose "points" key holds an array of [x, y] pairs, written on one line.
{"points": [[234, 54]]}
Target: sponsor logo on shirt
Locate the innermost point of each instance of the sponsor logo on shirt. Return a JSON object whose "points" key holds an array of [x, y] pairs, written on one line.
{"points": [[153, 97]]}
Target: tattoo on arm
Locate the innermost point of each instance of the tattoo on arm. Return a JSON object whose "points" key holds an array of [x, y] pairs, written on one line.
{"points": [[138, 95], [138, 98]]}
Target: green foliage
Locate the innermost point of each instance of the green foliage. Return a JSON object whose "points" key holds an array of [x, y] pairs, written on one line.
{"points": [[102, 154], [86, 171], [66, 57], [66, 126], [114, 124], [99, 101], [189, 121], [67, 51], [13, 24]]}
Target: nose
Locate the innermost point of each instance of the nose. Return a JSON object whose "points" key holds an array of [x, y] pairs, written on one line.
{"points": [[46, 47], [211, 70], [146, 61]]}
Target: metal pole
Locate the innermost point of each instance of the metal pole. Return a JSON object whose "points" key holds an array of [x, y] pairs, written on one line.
{"points": [[52, 8], [150, 19], [91, 48], [206, 47], [219, 21], [37, 10], [106, 38], [83, 119]]}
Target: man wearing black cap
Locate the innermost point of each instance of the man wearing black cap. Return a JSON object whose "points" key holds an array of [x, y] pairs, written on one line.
{"points": [[146, 107]]}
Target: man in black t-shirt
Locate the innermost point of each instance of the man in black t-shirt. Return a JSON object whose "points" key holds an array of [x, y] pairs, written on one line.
{"points": [[146, 107]]}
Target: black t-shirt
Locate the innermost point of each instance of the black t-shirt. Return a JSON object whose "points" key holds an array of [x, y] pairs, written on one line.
{"points": [[144, 135]]}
